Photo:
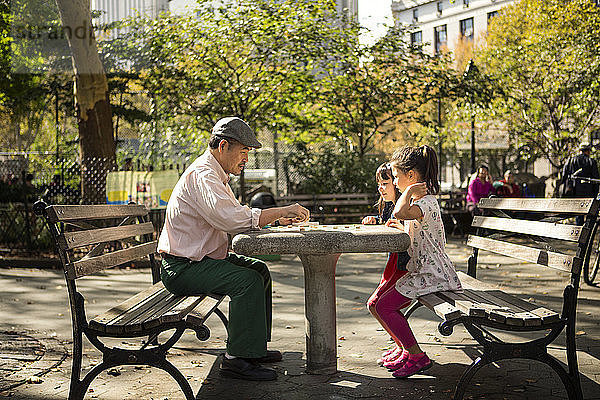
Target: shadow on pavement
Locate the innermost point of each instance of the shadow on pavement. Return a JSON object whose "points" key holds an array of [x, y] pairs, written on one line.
{"points": [[512, 380]]}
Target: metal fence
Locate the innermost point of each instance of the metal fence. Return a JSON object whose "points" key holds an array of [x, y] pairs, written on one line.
{"points": [[28, 177]]}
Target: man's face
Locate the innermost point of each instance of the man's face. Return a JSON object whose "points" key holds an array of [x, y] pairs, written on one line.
{"points": [[234, 156]]}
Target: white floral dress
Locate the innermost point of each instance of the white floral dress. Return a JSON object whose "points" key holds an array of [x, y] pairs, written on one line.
{"points": [[429, 268]]}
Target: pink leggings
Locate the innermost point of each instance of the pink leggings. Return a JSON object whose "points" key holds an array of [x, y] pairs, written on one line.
{"points": [[388, 308]]}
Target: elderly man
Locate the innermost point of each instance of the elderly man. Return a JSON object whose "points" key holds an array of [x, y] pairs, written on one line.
{"points": [[202, 210]]}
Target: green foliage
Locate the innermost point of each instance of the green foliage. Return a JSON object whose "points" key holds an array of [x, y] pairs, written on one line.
{"points": [[27, 88], [294, 67], [545, 56], [246, 60], [370, 89], [333, 167]]}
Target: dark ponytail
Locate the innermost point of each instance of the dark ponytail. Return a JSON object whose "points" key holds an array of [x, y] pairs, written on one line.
{"points": [[422, 159]]}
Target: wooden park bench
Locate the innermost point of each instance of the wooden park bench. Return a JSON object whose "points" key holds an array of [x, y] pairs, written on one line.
{"points": [[551, 240], [332, 208], [456, 217], [91, 239]]}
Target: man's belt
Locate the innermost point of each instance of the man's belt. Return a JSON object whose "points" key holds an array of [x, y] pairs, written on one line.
{"points": [[170, 257]]}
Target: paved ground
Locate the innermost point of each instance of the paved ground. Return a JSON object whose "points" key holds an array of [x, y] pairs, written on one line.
{"points": [[35, 335]]}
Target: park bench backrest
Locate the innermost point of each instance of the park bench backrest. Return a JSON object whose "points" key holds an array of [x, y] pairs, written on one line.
{"points": [[538, 231], [93, 230]]}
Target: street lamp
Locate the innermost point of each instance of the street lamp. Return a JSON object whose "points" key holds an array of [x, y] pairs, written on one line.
{"points": [[470, 73]]}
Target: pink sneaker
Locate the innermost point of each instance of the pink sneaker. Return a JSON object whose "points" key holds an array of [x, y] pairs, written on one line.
{"points": [[397, 362], [387, 354], [413, 365]]}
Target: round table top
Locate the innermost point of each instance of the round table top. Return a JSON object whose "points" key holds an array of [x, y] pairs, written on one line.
{"points": [[321, 239]]}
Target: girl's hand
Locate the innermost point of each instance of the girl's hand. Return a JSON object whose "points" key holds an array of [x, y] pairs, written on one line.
{"points": [[369, 220], [285, 221], [394, 223], [417, 191]]}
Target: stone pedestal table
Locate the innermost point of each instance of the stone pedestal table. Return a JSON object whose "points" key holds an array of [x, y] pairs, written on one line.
{"points": [[319, 248]]}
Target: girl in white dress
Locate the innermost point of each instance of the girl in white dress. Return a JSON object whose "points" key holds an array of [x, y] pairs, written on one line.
{"points": [[415, 171]]}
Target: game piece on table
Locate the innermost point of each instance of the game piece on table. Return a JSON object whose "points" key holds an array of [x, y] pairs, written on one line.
{"points": [[306, 224]]}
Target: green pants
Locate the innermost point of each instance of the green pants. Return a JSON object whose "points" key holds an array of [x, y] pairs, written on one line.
{"points": [[245, 280]]}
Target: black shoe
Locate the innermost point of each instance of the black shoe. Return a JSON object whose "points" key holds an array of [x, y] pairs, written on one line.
{"points": [[240, 368], [271, 357]]}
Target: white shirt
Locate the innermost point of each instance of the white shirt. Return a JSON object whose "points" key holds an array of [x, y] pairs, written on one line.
{"points": [[201, 211], [429, 268]]}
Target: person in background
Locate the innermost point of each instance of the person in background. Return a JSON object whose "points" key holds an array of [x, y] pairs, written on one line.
{"points": [[479, 188], [580, 166], [507, 187]]}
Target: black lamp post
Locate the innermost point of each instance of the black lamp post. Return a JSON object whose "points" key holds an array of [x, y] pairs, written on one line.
{"points": [[470, 73]]}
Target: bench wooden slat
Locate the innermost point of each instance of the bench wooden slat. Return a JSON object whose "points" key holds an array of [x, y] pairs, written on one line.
{"points": [[510, 310], [99, 322], [570, 206], [545, 229], [440, 306], [550, 259], [132, 320], [464, 304], [72, 240], [496, 312], [547, 316], [199, 314], [339, 215], [150, 317], [365, 202], [184, 307], [72, 213], [365, 196], [87, 266]]}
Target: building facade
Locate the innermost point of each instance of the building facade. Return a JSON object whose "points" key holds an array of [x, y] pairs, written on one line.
{"points": [[349, 7], [441, 24], [117, 10]]}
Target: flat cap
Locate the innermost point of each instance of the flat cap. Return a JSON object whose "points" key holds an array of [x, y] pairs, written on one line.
{"points": [[236, 128]]}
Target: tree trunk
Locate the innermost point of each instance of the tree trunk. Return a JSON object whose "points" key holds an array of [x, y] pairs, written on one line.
{"points": [[94, 116]]}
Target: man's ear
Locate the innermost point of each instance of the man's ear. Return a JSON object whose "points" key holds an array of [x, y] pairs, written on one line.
{"points": [[222, 145]]}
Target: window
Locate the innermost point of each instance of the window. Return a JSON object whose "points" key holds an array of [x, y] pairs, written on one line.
{"points": [[466, 29], [492, 15], [416, 38], [416, 14], [441, 39], [440, 7]]}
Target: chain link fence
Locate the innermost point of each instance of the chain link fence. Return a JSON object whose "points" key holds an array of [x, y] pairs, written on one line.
{"points": [[28, 177]]}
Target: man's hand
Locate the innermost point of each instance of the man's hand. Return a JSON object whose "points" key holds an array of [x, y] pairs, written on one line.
{"points": [[285, 215], [295, 213], [369, 220]]}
